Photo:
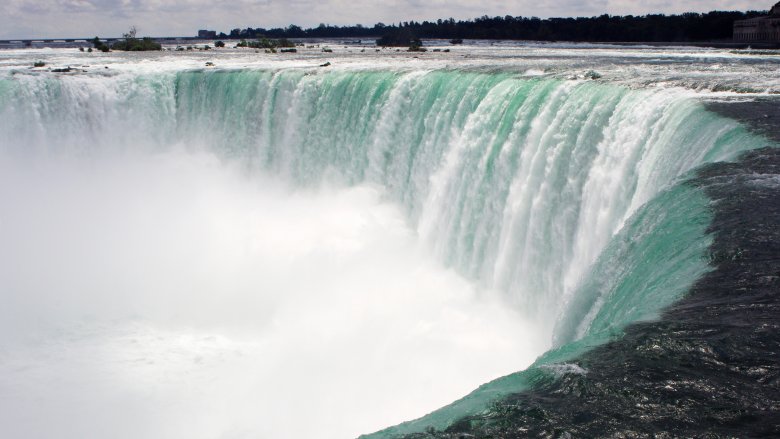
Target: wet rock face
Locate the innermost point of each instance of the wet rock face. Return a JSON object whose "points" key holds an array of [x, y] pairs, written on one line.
{"points": [[709, 368]]}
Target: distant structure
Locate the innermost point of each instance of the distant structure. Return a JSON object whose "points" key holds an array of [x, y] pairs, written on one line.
{"points": [[759, 29], [207, 34]]}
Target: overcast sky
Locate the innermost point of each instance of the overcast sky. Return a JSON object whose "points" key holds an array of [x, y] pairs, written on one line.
{"points": [[107, 18]]}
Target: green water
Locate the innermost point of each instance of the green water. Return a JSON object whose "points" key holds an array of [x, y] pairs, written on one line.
{"points": [[566, 196]]}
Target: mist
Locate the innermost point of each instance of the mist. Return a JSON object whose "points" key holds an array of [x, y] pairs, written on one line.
{"points": [[170, 295]]}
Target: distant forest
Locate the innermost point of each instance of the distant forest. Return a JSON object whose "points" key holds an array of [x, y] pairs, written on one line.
{"points": [[711, 26]]}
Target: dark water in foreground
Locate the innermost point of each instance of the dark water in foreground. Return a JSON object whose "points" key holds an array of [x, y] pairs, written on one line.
{"points": [[709, 368]]}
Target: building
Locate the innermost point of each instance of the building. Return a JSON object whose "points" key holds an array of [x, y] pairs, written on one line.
{"points": [[207, 34], [759, 29]]}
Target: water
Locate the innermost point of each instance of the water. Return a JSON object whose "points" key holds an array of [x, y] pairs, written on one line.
{"points": [[228, 251]]}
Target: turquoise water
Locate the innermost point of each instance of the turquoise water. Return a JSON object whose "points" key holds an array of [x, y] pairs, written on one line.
{"points": [[650, 263], [566, 196]]}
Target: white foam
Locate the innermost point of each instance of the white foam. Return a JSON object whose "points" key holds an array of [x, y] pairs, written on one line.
{"points": [[172, 296], [639, 66]]}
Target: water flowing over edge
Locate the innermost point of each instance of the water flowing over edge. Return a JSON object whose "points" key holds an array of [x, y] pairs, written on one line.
{"points": [[567, 196], [708, 364]]}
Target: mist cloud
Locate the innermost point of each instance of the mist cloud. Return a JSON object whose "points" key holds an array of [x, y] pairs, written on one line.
{"points": [[171, 295]]}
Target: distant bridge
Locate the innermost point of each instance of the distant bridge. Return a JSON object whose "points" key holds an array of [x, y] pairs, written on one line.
{"points": [[37, 41], [54, 40]]}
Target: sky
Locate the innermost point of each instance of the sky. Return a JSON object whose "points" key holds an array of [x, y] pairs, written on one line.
{"points": [[111, 18]]}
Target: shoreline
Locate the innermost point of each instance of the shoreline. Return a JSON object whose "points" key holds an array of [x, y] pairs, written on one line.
{"points": [[369, 41]]}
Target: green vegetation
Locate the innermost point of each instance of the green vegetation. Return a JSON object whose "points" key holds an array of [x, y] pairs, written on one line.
{"points": [[284, 42], [219, 44], [399, 38], [133, 44], [416, 46], [402, 38], [265, 43], [99, 45], [39, 64], [715, 25]]}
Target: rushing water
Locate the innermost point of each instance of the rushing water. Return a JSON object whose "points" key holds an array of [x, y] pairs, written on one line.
{"points": [[269, 248]]}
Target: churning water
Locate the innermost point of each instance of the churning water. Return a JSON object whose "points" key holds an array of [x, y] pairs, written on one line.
{"points": [[273, 249]]}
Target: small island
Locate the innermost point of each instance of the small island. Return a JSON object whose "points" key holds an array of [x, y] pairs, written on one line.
{"points": [[131, 43]]}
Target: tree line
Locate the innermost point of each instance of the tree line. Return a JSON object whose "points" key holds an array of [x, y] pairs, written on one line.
{"points": [[687, 27]]}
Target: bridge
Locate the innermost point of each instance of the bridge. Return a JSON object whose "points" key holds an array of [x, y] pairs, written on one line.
{"points": [[40, 41]]}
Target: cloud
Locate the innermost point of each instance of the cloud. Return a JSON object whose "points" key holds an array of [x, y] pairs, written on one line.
{"points": [[74, 18], [624, 7], [76, 5]]}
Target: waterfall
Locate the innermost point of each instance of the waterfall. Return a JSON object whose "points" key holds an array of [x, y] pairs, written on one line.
{"points": [[567, 197]]}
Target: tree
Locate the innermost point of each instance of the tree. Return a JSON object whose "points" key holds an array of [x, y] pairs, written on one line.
{"points": [[131, 43], [130, 35], [99, 45]]}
